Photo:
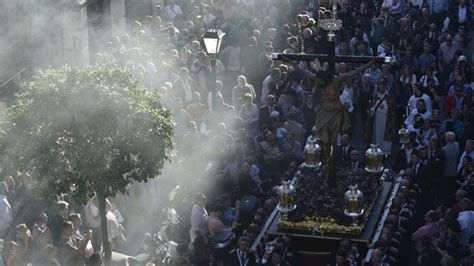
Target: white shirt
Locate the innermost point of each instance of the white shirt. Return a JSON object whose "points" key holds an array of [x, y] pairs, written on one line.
{"points": [[265, 89], [112, 226], [5, 213], [462, 14], [464, 154], [199, 218], [413, 99], [408, 155], [466, 222], [345, 98], [172, 11], [91, 215]]}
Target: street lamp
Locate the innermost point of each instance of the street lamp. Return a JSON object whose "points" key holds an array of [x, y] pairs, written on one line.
{"points": [[212, 40]]}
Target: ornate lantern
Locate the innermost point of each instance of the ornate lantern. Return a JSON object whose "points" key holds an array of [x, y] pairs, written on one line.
{"points": [[312, 154], [354, 202], [403, 135], [286, 193], [374, 159]]}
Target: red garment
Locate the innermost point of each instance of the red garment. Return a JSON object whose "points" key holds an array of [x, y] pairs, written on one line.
{"points": [[450, 103]]}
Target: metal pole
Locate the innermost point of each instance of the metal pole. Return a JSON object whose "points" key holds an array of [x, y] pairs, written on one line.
{"points": [[213, 87]]}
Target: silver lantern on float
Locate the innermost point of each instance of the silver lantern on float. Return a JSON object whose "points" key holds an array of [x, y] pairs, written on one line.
{"points": [[403, 135], [286, 193], [354, 203], [374, 157], [312, 154]]}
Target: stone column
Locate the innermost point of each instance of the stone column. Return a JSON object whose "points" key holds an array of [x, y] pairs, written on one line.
{"points": [[75, 36], [117, 17]]}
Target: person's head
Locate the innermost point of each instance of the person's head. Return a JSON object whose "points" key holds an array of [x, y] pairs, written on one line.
{"points": [[184, 73], [345, 140], [62, 207], [270, 100], [426, 49], [381, 85], [466, 204], [420, 105], [433, 143], [450, 137], [248, 98], [269, 137], [3, 188], [76, 220], [415, 157], [241, 81], [449, 40], [200, 199], [431, 217], [42, 218], [243, 244], [416, 89], [377, 256], [244, 167], [407, 6], [196, 97], [290, 137], [355, 155], [469, 147]]}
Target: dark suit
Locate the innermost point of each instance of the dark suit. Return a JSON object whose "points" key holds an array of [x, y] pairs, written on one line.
{"points": [[264, 119], [401, 161], [358, 165], [343, 157], [233, 259], [422, 175], [454, 18], [436, 164]]}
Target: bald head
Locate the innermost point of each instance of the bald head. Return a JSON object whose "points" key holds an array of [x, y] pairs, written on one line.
{"points": [[450, 137]]}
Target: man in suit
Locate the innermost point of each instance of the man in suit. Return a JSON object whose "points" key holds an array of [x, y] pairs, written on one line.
{"points": [[402, 160], [264, 119], [420, 171], [436, 163], [421, 177], [355, 161], [241, 256], [343, 151]]}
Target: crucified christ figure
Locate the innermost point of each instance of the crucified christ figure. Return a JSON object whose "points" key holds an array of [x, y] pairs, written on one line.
{"points": [[332, 118]]}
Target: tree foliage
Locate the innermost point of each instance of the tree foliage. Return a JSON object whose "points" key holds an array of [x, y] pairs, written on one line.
{"points": [[86, 130]]}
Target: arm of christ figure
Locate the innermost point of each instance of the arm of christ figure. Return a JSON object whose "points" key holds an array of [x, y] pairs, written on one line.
{"points": [[305, 72], [345, 76]]}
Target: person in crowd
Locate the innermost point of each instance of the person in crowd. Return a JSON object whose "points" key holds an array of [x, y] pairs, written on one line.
{"points": [[57, 219], [242, 254], [5, 209], [199, 218]]}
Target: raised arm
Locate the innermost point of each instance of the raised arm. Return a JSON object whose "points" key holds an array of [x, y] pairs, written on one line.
{"points": [[305, 72], [345, 76]]}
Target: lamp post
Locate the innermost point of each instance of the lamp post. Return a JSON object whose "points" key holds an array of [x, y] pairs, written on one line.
{"points": [[212, 40]]}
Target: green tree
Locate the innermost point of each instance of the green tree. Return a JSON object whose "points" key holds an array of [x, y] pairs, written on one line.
{"points": [[86, 131]]}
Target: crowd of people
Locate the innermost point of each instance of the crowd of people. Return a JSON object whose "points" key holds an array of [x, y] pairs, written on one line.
{"points": [[253, 128]]}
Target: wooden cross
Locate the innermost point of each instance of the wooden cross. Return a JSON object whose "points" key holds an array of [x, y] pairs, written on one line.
{"points": [[331, 58]]}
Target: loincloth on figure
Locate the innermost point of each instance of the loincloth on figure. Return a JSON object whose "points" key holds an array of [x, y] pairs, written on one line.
{"points": [[329, 123]]}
